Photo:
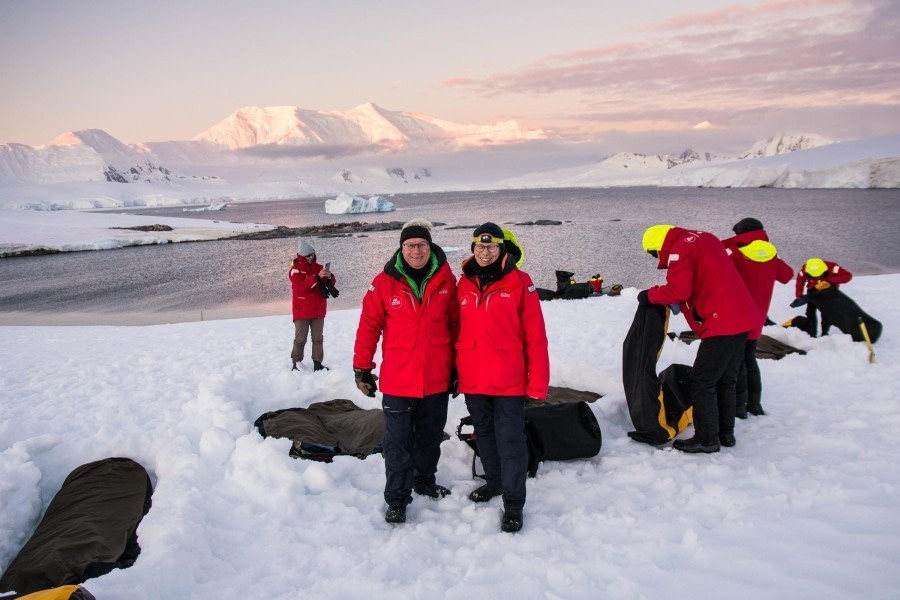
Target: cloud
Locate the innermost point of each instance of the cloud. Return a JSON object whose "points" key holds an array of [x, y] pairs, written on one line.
{"points": [[327, 151], [800, 54]]}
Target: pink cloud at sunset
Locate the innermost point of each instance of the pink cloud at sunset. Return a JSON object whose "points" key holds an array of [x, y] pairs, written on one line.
{"points": [[812, 57]]}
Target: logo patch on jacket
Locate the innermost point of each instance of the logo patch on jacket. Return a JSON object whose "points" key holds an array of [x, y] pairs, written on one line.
{"points": [[672, 258], [505, 295], [531, 288], [690, 238], [371, 288], [396, 302]]}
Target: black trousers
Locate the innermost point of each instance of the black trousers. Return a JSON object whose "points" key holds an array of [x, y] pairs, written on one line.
{"points": [[713, 382], [748, 389], [413, 431], [499, 423]]}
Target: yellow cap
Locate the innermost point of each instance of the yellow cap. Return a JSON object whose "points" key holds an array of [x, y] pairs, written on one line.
{"points": [[815, 267], [655, 236]]}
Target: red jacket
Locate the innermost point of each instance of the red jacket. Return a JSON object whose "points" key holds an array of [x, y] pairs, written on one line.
{"points": [[502, 347], [704, 282], [760, 267], [417, 349], [835, 275], [306, 294]]}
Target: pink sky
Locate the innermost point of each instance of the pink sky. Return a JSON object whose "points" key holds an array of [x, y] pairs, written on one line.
{"points": [[580, 70]]}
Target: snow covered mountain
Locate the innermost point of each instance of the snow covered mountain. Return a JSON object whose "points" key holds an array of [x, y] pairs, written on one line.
{"points": [[785, 143], [287, 152], [365, 125], [87, 155]]}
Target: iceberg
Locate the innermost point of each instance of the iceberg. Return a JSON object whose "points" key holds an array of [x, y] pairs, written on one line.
{"points": [[212, 206], [346, 204]]}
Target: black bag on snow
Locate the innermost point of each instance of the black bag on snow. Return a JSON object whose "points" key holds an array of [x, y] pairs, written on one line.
{"points": [[657, 415], [562, 427], [842, 312], [567, 290], [89, 528]]}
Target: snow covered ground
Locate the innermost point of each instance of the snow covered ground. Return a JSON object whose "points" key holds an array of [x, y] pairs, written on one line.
{"points": [[805, 506]]}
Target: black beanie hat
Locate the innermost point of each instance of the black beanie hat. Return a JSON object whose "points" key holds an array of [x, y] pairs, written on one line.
{"points": [[491, 229], [747, 224], [417, 228], [487, 234]]}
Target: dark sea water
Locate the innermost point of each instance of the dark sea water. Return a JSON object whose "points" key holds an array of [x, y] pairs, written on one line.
{"points": [[601, 233]]}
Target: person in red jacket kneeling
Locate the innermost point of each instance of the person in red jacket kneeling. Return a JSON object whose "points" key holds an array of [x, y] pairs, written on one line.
{"points": [[502, 357], [760, 267], [412, 303], [308, 303], [702, 280], [816, 275]]}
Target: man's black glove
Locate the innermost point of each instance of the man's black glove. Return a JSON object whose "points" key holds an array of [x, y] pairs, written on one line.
{"points": [[365, 381], [643, 298], [454, 382], [799, 301]]}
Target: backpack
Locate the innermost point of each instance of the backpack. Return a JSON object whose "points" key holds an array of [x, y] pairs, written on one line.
{"points": [[552, 432]]}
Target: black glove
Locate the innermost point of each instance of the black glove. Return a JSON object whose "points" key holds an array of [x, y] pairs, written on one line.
{"points": [[365, 381], [454, 382], [333, 290], [799, 301], [323, 287], [644, 298]]}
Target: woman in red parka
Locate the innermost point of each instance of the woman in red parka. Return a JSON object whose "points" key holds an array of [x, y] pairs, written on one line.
{"points": [[502, 358], [411, 306], [702, 280], [760, 267], [308, 303]]}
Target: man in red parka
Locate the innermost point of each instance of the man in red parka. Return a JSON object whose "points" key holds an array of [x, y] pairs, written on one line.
{"points": [[502, 358], [702, 280], [412, 304], [308, 303], [817, 274], [760, 267]]}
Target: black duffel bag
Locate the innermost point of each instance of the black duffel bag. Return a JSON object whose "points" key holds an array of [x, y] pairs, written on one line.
{"points": [[552, 432]]}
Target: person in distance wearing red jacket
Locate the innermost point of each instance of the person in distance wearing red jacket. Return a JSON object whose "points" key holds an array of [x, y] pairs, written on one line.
{"points": [[308, 303], [815, 275], [760, 267], [701, 279], [411, 306], [502, 357]]}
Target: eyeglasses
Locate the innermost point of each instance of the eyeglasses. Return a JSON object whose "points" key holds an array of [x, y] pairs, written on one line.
{"points": [[419, 246], [490, 248]]}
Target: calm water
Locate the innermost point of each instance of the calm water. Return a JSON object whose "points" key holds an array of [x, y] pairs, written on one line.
{"points": [[601, 233]]}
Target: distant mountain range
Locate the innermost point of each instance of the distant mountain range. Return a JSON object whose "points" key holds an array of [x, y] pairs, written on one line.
{"points": [[283, 152]]}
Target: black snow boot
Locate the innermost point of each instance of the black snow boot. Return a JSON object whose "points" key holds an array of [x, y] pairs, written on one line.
{"points": [[432, 490], [485, 493], [753, 404], [317, 366], [512, 520], [695, 444], [395, 514], [727, 439], [294, 367]]}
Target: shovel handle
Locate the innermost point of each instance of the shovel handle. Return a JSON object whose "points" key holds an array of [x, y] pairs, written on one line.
{"points": [[865, 333]]}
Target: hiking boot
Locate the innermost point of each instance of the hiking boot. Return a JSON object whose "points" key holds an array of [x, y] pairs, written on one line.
{"points": [[432, 490], [317, 366], [294, 367], [395, 514], [727, 439], [695, 444], [485, 493], [741, 411], [512, 520], [755, 409]]}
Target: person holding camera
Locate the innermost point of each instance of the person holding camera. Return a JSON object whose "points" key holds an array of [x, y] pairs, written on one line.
{"points": [[311, 284], [412, 304]]}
